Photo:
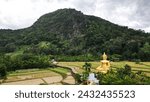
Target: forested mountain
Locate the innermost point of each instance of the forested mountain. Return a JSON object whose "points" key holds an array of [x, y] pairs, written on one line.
{"points": [[70, 32]]}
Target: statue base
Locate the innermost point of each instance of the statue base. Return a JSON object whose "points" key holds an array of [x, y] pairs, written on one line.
{"points": [[100, 69], [105, 66]]}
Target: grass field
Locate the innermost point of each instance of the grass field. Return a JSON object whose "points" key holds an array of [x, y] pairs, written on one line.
{"points": [[143, 66], [27, 74], [63, 72]]}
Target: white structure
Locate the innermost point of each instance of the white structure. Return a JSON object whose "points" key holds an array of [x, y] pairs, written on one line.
{"points": [[92, 80], [54, 62]]}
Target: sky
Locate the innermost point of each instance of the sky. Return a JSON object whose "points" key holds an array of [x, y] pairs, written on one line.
{"points": [[17, 14]]}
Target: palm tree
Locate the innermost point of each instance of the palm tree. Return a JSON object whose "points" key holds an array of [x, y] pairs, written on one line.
{"points": [[87, 66]]}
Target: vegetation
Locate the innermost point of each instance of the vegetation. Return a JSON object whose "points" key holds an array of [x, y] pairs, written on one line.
{"points": [[87, 66], [23, 61], [77, 37], [3, 71], [35, 73], [123, 76], [63, 72], [142, 66]]}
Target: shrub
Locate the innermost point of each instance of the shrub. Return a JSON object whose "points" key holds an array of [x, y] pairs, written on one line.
{"points": [[87, 66], [78, 78], [116, 57], [3, 71], [123, 76], [137, 61]]}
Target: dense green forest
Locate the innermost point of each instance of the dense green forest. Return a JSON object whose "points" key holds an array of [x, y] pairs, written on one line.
{"points": [[69, 35]]}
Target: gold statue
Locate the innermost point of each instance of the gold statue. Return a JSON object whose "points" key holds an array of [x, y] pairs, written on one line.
{"points": [[104, 56], [105, 64]]}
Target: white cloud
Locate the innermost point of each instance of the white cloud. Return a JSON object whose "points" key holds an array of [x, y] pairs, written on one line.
{"points": [[15, 14], [147, 29]]}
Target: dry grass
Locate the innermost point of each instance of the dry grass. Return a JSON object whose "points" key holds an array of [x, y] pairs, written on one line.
{"points": [[29, 74]]}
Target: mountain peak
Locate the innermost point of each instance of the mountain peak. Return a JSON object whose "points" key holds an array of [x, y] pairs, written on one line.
{"points": [[62, 21], [69, 10], [61, 13], [70, 32]]}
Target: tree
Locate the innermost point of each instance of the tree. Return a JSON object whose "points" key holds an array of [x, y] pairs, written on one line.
{"points": [[127, 69], [87, 66], [3, 71], [84, 77], [116, 57], [122, 72], [10, 47], [123, 76], [145, 52]]}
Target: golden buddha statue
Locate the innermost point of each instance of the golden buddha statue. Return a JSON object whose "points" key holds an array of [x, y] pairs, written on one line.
{"points": [[105, 64], [104, 56]]}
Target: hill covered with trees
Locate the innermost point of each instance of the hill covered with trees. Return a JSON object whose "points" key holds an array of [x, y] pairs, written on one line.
{"points": [[69, 34]]}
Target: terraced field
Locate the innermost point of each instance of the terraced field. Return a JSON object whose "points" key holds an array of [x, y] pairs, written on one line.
{"points": [[143, 66], [61, 75], [37, 76]]}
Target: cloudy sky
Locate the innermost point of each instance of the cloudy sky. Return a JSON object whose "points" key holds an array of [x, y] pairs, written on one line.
{"points": [[16, 14]]}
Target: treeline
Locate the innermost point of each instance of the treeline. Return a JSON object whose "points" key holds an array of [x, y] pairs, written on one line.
{"points": [[22, 61]]}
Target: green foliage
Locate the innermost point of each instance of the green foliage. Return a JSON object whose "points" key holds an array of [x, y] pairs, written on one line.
{"points": [[122, 72], [3, 71], [25, 61], [84, 77], [10, 47], [78, 78], [145, 51], [63, 72], [77, 35], [3, 68], [87, 66], [116, 57], [67, 58], [137, 61], [22, 61], [123, 76]]}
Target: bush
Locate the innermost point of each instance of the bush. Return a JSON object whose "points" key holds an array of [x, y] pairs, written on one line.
{"points": [[26, 61], [3, 71], [78, 78], [127, 69], [137, 61], [87, 66], [84, 77], [116, 57], [123, 76]]}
